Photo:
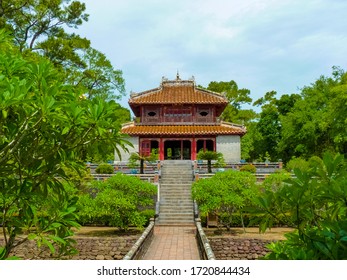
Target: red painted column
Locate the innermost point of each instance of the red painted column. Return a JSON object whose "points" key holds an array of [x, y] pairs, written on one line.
{"points": [[161, 149], [193, 149]]}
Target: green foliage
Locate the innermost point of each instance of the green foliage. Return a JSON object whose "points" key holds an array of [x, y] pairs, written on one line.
{"points": [[45, 126], [43, 27], [248, 168], [209, 156], [120, 201], [275, 181], [315, 203], [297, 163], [225, 194], [104, 168], [317, 122], [135, 157]]}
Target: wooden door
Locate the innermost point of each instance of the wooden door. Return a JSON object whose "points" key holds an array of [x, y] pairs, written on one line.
{"points": [[146, 148]]}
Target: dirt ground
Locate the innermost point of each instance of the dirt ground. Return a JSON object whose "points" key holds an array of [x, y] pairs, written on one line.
{"points": [[273, 234], [105, 231]]}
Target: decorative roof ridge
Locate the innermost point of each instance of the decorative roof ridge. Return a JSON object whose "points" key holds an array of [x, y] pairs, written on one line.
{"points": [[174, 124], [137, 94], [128, 124], [177, 82], [219, 94], [223, 123]]}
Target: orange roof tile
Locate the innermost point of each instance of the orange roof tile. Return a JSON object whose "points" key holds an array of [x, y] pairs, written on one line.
{"points": [[178, 92], [183, 130]]}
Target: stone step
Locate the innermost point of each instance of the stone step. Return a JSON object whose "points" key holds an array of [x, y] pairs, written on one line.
{"points": [[175, 221], [183, 208], [175, 198], [178, 188], [168, 193], [176, 182], [175, 214], [179, 207], [176, 203], [169, 217], [177, 218]]}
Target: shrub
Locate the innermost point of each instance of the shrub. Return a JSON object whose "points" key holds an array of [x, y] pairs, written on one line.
{"points": [[276, 180], [209, 156], [104, 168], [226, 194], [314, 203], [297, 163], [248, 168], [120, 201]]}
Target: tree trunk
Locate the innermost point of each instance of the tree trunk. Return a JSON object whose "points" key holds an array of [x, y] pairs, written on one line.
{"points": [[209, 166], [141, 165]]}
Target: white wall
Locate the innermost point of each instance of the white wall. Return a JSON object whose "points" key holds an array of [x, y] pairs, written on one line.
{"points": [[125, 155], [230, 147]]}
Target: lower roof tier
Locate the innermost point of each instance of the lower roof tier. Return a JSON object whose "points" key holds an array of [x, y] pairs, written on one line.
{"points": [[183, 130]]}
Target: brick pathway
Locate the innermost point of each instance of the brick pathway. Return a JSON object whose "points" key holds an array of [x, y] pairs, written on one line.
{"points": [[173, 243]]}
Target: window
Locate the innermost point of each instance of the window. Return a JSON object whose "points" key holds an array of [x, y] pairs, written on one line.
{"points": [[203, 113], [151, 114]]}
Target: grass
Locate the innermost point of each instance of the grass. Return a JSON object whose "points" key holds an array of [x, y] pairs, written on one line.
{"points": [[94, 231]]}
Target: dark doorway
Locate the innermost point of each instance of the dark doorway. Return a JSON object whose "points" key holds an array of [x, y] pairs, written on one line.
{"points": [[205, 145], [177, 149], [155, 146]]}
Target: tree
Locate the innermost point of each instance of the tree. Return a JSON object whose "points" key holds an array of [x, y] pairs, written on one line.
{"points": [[45, 125], [142, 158], [315, 204], [209, 156], [317, 121], [99, 152], [225, 194], [120, 201], [32, 22], [97, 77], [236, 97], [40, 26], [269, 127]]}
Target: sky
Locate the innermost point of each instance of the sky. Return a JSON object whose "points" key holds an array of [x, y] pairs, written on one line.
{"points": [[262, 45]]}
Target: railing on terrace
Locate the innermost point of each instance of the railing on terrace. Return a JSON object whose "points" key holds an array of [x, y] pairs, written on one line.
{"points": [[265, 168], [123, 167], [150, 178], [262, 169]]}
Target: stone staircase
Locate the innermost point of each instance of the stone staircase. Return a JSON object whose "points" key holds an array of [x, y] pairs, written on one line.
{"points": [[176, 204]]}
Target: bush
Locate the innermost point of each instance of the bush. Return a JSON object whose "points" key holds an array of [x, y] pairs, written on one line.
{"points": [[248, 168], [226, 194], [104, 168], [276, 180], [314, 203], [120, 201], [299, 163]]}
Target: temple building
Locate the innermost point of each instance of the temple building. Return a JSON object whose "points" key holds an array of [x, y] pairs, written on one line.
{"points": [[178, 119]]}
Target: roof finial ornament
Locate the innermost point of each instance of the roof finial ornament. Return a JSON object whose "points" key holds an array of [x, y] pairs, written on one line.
{"points": [[178, 76]]}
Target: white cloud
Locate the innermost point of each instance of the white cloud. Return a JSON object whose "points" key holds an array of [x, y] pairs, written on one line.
{"points": [[261, 44]]}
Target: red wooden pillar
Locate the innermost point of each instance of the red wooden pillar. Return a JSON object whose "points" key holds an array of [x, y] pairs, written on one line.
{"points": [[161, 149], [193, 149]]}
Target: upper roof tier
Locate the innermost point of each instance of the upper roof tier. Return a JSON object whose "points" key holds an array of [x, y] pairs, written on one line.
{"points": [[177, 92]]}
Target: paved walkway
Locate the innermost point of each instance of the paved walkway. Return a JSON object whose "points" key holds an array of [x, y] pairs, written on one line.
{"points": [[173, 243]]}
